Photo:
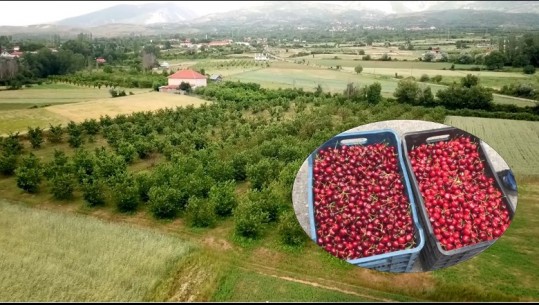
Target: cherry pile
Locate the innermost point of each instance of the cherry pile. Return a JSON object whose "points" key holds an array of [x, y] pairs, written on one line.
{"points": [[359, 202], [463, 205]]}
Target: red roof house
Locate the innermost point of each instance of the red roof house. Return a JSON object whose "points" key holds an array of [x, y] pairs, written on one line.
{"points": [[16, 54], [101, 60], [188, 76]]}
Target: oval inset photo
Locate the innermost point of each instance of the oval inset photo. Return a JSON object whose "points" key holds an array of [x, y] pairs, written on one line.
{"points": [[404, 196]]}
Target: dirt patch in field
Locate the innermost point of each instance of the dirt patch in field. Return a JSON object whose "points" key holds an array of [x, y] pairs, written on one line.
{"points": [[265, 254], [186, 286], [151, 101], [403, 282], [218, 243]]}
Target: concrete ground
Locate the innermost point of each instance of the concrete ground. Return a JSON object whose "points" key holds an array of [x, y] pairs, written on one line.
{"points": [[300, 191]]}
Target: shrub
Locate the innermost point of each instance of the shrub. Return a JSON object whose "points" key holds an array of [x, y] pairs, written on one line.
{"points": [[469, 80], [529, 69], [290, 231], [261, 173], [91, 126], [222, 197], [35, 136], [374, 93], [58, 166], [358, 69], [62, 186], [248, 219], [200, 212], [407, 91], [109, 165], [437, 78], [83, 165], [267, 202], [75, 135], [8, 163], [126, 194], [143, 148], [11, 144], [426, 98], [424, 78], [145, 182], [164, 201], [366, 57], [239, 163], [55, 133], [127, 151], [29, 174], [93, 192]]}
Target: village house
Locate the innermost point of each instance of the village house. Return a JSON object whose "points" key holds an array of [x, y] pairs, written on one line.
{"points": [[220, 43], [164, 65], [5, 54], [16, 54], [261, 57], [436, 53], [216, 78], [188, 76]]}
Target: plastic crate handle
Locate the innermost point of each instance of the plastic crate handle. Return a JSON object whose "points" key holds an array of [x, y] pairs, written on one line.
{"points": [[437, 139], [357, 141]]}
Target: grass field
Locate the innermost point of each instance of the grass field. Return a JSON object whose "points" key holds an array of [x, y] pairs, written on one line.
{"points": [[51, 94], [289, 75], [47, 256], [248, 286], [516, 141], [20, 119]]}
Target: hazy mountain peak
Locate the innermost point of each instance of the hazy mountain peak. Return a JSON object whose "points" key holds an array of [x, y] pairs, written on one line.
{"points": [[149, 13]]}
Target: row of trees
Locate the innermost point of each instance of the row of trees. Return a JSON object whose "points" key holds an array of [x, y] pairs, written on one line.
{"points": [[466, 94], [114, 78]]}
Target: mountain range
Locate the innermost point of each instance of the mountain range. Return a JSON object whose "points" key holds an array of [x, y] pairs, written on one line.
{"points": [[159, 17]]}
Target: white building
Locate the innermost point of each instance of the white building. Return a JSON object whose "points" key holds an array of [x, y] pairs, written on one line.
{"points": [[261, 57]]}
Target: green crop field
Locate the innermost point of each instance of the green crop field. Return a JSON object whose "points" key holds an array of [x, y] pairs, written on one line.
{"points": [[516, 141], [48, 256], [288, 75]]}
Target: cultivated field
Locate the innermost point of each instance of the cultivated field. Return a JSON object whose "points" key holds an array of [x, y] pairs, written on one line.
{"points": [[123, 105], [516, 141], [51, 94], [51, 256], [19, 120]]}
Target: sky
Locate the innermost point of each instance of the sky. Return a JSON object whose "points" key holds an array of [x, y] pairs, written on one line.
{"points": [[19, 13]]}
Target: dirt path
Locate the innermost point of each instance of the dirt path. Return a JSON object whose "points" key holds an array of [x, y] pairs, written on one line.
{"points": [[318, 285]]}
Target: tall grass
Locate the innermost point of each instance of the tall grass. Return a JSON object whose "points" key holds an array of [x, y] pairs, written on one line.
{"points": [[46, 256]]}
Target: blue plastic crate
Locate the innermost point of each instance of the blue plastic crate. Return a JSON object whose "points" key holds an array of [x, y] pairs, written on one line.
{"points": [[398, 261]]}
